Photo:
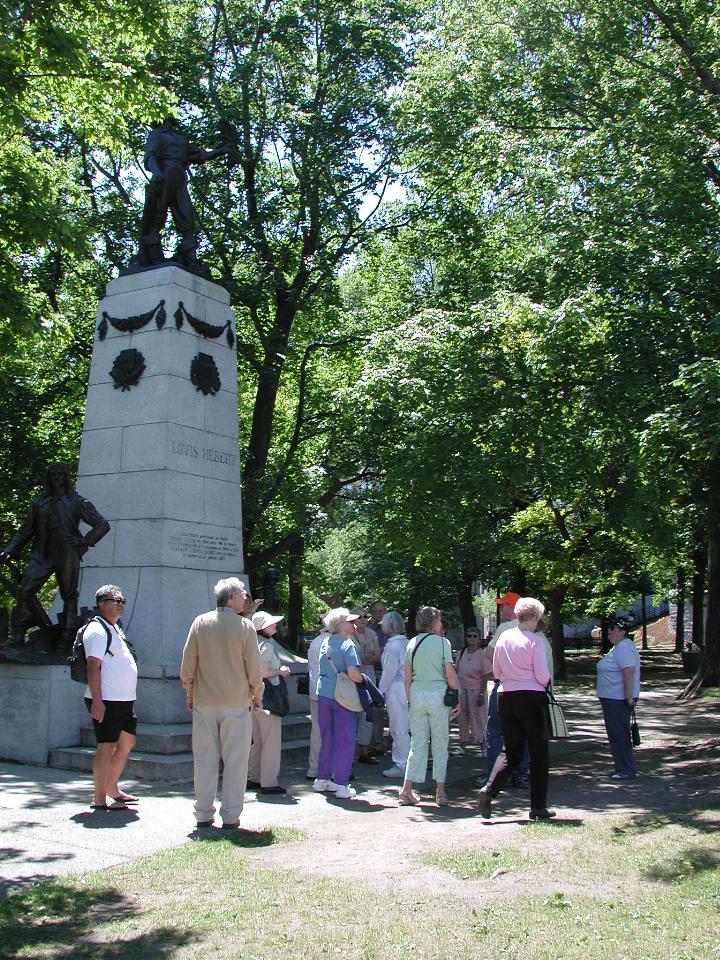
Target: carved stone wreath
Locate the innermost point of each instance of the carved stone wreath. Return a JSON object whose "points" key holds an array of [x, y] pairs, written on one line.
{"points": [[204, 374], [127, 369], [130, 324]]}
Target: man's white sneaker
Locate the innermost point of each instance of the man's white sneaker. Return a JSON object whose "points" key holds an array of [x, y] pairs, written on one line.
{"points": [[345, 793], [395, 773], [324, 786]]}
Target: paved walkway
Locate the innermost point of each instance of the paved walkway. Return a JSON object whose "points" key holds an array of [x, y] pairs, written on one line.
{"points": [[47, 827]]}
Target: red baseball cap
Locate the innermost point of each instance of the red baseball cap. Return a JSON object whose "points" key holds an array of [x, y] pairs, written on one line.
{"points": [[509, 599]]}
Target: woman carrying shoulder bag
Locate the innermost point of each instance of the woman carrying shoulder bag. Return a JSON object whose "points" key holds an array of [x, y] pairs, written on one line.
{"points": [[338, 724], [429, 671]]}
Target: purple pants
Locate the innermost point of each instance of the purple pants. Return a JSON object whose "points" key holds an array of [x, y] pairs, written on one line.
{"points": [[337, 744]]}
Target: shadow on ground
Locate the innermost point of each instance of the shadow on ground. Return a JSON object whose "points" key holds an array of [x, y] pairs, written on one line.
{"points": [[67, 922]]}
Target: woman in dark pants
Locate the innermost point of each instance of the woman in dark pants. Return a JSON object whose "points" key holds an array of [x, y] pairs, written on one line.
{"points": [[520, 664], [618, 689]]}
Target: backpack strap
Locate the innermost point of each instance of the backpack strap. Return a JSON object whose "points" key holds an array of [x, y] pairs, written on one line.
{"points": [[108, 634]]}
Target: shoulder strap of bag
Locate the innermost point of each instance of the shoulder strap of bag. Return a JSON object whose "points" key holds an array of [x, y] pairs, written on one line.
{"points": [[329, 655], [412, 655]]}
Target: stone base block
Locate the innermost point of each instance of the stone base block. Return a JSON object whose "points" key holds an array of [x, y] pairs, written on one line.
{"points": [[41, 709]]}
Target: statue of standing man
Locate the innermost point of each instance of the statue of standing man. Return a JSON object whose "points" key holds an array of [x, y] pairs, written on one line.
{"points": [[168, 156], [53, 526]]}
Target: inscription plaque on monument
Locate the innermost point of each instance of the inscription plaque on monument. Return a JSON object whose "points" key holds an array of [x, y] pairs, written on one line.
{"points": [[203, 546]]}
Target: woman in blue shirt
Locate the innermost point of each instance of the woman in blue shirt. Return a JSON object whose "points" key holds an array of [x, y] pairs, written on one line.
{"points": [[618, 687], [337, 723]]}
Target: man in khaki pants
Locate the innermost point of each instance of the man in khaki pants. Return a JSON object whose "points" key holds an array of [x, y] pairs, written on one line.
{"points": [[222, 677]]}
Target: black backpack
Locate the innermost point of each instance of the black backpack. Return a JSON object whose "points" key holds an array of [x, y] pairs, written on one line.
{"points": [[77, 661]]}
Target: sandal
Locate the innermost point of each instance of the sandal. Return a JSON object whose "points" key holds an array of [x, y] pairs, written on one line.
{"points": [[407, 800], [126, 798], [441, 799], [118, 805]]}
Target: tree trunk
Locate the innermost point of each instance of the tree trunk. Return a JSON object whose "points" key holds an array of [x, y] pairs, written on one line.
{"points": [[680, 613], [708, 674], [557, 598], [261, 429], [465, 604], [700, 559], [295, 594]]}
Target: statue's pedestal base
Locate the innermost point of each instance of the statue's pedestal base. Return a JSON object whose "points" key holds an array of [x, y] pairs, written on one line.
{"points": [[41, 709], [160, 460]]}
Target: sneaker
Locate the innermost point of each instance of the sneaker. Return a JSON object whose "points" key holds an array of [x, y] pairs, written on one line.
{"points": [[324, 786], [541, 813], [484, 804], [345, 793], [271, 790], [395, 773], [622, 776]]}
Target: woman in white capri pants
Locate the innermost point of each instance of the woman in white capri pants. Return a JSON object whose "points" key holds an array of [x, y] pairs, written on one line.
{"points": [[392, 686]]}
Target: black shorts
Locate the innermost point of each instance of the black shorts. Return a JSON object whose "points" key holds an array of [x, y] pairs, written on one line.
{"points": [[119, 717]]}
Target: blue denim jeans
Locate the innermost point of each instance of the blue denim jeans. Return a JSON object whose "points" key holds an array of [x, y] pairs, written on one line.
{"points": [[617, 723], [494, 738]]}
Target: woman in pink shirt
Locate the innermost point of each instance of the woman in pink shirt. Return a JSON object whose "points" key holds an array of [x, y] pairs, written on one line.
{"points": [[472, 677], [520, 663]]}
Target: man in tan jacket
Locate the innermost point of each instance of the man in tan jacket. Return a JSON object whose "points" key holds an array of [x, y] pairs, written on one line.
{"points": [[222, 677]]}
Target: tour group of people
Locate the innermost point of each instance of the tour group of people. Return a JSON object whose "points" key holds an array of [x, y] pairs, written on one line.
{"points": [[363, 669]]}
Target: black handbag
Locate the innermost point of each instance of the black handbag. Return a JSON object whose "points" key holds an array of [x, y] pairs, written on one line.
{"points": [[275, 698], [303, 684], [451, 696], [634, 729]]}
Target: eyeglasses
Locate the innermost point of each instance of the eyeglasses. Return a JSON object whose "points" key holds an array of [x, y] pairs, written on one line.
{"points": [[118, 600]]}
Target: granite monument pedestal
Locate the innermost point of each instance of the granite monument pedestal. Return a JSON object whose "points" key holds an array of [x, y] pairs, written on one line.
{"points": [[160, 458]]}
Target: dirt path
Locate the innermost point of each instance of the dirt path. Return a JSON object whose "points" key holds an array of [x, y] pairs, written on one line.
{"points": [[48, 830], [372, 836]]}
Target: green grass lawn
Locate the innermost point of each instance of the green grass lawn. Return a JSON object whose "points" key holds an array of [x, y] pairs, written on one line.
{"points": [[643, 888]]}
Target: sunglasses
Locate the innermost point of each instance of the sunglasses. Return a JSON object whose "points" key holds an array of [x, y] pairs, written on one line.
{"points": [[117, 600]]}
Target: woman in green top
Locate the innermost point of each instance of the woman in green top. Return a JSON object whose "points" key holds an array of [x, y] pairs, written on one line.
{"points": [[429, 670]]}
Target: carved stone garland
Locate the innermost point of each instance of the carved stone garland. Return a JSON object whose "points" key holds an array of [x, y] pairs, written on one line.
{"points": [[209, 330], [130, 324]]}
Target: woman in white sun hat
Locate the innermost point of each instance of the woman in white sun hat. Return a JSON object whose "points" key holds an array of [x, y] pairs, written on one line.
{"points": [[264, 763]]}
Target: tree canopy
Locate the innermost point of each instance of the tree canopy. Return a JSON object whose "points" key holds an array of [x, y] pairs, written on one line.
{"points": [[506, 373]]}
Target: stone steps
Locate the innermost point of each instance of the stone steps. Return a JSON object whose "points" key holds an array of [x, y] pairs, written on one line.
{"points": [[164, 750], [168, 768]]}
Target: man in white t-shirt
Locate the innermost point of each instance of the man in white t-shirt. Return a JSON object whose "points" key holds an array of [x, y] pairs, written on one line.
{"points": [[110, 697]]}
